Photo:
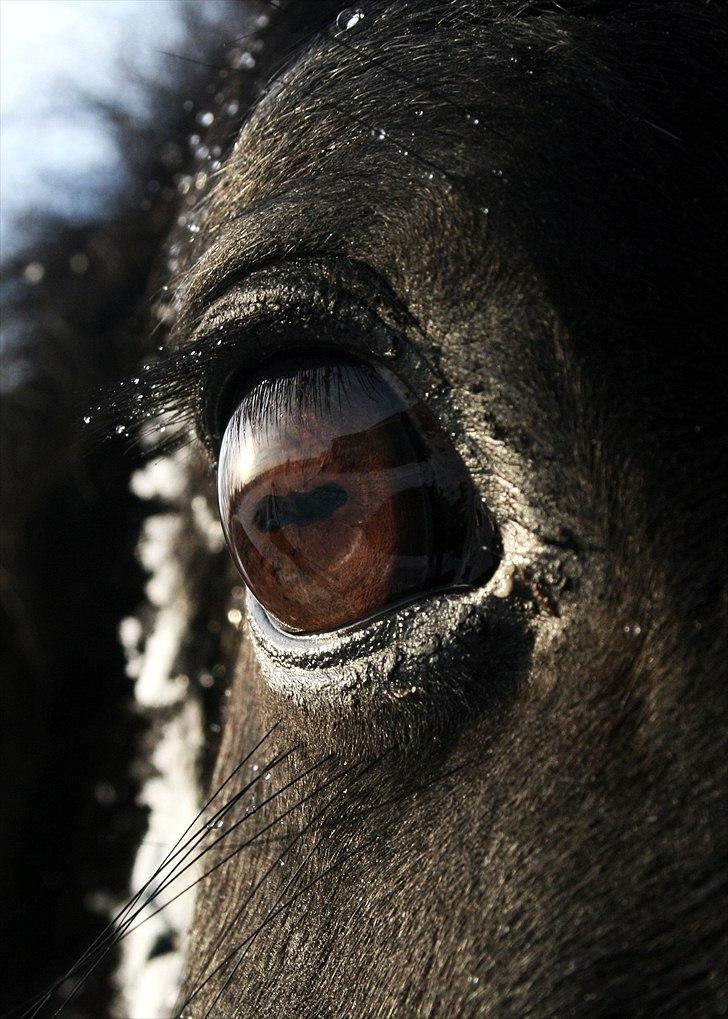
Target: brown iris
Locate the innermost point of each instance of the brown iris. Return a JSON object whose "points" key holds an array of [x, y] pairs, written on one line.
{"points": [[341, 496]]}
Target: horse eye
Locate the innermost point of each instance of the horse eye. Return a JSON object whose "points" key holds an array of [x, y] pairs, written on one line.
{"points": [[341, 497]]}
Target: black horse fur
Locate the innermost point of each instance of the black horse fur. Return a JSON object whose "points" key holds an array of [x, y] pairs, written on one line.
{"points": [[512, 804]]}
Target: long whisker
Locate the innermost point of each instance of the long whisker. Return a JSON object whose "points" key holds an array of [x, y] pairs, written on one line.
{"points": [[117, 933], [289, 902], [33, 1005], [289, 884], [360, 815], [243, 845], [314, 819]]}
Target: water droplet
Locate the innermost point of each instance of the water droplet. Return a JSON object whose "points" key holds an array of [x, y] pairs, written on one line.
{"points": [[255, 767], [206, 118], [379, 134], [78, 263], [120, 429], [232, 108], [235, 616], [349, 18], [87, 419], [267, 777], [419, 113], [33, 273]]}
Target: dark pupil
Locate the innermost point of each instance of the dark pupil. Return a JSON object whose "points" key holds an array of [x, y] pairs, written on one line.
{"points": [[341, 497]]}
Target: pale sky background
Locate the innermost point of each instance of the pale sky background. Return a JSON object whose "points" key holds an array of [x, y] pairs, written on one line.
{"points": [[53, 156]]}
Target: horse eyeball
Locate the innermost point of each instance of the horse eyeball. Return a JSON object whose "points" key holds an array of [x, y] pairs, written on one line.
{"points": [[341, 497]]}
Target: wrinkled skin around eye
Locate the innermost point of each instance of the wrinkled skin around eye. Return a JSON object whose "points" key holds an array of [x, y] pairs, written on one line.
{"points": [[345, 498]]}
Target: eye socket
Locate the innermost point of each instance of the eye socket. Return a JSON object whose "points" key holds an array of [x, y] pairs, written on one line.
{"points": [[341, 497]]}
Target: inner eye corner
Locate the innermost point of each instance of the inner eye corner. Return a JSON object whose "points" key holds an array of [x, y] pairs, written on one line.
{"points": [[341, 496]]}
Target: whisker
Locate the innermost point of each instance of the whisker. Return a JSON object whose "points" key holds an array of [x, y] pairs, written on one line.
{"points": [[289, 884], [274, 912], [118, 931], [193, 60], [314, 819], [104, 937], [289, 902], [126, 928], [243, 845]]}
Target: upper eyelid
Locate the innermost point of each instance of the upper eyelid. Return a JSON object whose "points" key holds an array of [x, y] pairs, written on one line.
{"points": [[239, 250], [362, 333], [226, 339]]}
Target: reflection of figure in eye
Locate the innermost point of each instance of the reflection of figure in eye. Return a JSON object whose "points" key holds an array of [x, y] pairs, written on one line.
{"points": [[299, 508]]}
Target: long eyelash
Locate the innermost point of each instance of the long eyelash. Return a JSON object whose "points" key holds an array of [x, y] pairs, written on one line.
{"points": [[159, 406], [309, 392]]}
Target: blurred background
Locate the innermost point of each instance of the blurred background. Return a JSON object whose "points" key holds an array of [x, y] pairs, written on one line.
{"points": [[58, 60], [95, 123]]}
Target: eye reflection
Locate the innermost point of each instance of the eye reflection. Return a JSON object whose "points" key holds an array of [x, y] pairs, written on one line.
{"points": [[341, 497]]}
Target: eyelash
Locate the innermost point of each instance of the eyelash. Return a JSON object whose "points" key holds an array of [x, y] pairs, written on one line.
{"points": [[193, 390], [291, 396]]}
